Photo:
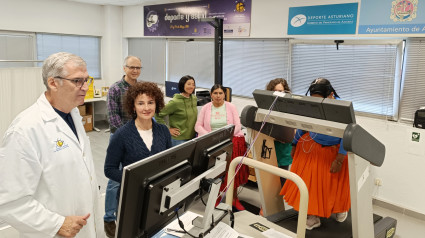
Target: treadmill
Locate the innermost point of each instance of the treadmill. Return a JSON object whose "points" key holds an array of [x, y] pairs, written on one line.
{"points": [[330, 117]]}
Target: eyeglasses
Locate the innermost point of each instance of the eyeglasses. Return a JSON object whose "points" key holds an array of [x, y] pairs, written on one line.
{"points": [[134, 67], [79, 82]]}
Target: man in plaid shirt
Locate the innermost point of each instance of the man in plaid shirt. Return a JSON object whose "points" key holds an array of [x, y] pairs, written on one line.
{"points": [[117, 117]]}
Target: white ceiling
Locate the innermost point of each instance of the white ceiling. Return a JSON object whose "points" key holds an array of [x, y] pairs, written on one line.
{"points": [[128, 2]]}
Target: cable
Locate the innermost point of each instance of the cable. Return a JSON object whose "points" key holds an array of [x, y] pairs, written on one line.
{"points": [[240, 189], [232, 219], [212, 225], [202, 199], [182, 225], [248, 150]]}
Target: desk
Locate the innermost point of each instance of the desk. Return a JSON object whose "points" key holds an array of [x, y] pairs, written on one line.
{"points": [[244, 220], [94, 101], [244, 224]]}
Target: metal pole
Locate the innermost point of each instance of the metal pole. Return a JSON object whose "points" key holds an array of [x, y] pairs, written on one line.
{"points": [[218, 47]]}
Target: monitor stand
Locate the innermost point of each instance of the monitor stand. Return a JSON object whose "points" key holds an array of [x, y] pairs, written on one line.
{"points": [[212, 215]]}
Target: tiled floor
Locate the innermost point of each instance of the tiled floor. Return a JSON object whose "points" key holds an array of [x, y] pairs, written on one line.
{"points": [[407, 227]]}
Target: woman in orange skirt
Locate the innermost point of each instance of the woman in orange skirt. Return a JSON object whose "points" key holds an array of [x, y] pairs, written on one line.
{"points": [[320, 161]]}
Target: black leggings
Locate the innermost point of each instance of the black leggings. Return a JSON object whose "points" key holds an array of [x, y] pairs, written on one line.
{"points": [[283, 180]]}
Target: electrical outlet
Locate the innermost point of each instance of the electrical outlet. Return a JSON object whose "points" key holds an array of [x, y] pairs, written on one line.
{"points": [[378, 182]]}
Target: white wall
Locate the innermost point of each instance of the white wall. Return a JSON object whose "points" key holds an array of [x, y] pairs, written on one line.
{"points": [[112, 50], [51, 16], [66, 17], [20, 88], [403, 170], [133, 20]]}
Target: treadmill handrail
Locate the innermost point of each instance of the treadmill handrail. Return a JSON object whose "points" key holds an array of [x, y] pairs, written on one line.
{"points": [[302, 215], [355, 138], [362, 143]]}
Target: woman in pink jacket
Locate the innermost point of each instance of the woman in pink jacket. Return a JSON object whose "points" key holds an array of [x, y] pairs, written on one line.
{"points": [[218, 114]]}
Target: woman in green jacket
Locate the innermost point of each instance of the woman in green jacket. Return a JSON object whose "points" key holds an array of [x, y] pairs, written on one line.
{"points": [[181, 111]]}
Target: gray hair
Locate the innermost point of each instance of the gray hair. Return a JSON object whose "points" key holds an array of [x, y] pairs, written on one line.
{"points": [[53, 66], [129, 57]]}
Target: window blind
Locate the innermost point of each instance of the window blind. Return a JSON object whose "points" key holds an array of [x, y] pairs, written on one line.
{"points": [[412, 97], [194, 58], [366, 73], [250, 64], [16, 46], [87, 47], [152, 52]]}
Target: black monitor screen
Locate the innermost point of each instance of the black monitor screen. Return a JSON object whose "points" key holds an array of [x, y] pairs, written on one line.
{"points": [[141, 190], [290, 103], [315, 107], [206, 144], [171, 88], [144, 182]]}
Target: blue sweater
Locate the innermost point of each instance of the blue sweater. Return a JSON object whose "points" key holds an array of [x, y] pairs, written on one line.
{"points": [[324, 140], [127, 146]]}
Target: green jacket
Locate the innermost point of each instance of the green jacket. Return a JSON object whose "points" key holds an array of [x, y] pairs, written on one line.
{"points": [[283, 153], [182, 113]]}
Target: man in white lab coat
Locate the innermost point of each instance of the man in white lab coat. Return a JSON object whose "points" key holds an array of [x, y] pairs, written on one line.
{"points": [[48, 185]]}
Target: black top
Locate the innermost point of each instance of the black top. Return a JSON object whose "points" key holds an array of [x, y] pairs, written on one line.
{"points": [[68, 119]]}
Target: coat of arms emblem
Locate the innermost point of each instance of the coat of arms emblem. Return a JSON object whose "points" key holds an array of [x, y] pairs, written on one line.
{"points": [[403, 10]]}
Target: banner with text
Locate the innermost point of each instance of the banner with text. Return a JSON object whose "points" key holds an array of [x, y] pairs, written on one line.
{"points": [[392, 17], [323, 19], [182, 19]]}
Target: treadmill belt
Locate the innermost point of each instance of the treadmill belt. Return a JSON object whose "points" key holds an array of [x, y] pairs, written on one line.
{"points": [[329, 228], [249, 207]]}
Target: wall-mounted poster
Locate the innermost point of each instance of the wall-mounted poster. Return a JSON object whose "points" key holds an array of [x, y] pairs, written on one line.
{"points": [[183, 19], [392, 17], [323, 19]]}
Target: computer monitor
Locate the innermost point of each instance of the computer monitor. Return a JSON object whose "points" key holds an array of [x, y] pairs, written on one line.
{"points": [[315, 107], [141, 189], [153, 188], [203, 97], [206, 144], [171, 88]]}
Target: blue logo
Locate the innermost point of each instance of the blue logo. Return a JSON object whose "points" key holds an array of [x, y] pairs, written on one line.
{"points": [[323, 19], [298, 20]]}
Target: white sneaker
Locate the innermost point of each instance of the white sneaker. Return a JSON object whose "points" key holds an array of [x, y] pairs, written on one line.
{"points": [[312, 222], [340, 217]]}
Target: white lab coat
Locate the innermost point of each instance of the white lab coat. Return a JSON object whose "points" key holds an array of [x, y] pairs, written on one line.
{"points": [[46, 173]]}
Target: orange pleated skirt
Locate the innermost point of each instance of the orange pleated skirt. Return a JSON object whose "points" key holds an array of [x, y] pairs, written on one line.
{"points": [[328, 192]]}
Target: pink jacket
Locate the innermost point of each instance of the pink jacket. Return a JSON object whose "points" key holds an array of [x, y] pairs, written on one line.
{"points": [[203, 124]]}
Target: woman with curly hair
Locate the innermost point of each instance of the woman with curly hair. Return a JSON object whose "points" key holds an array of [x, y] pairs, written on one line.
{"points": [[278, 84], [283, 150], [140, 137]]}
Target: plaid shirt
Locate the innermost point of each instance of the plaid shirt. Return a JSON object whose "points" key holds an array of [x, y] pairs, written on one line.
{"points": [[115, 100]]}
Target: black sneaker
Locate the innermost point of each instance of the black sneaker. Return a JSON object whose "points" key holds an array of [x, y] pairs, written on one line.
{"points": [[110, 228]]}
